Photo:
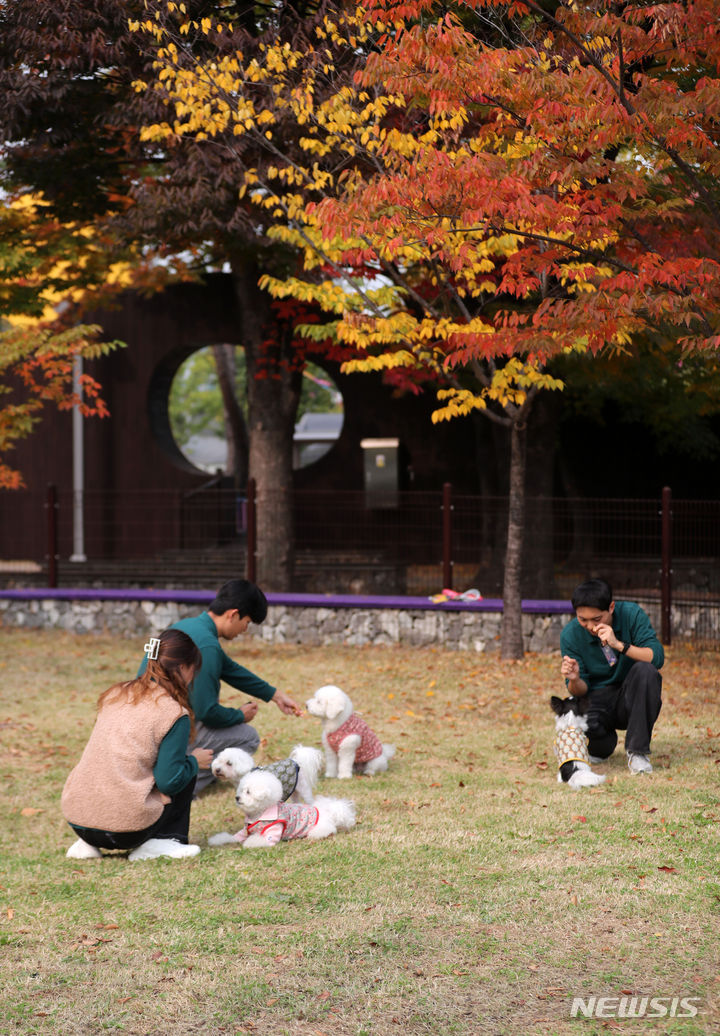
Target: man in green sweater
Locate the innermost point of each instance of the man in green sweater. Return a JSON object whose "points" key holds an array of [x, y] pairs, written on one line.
{"points": [[237, 604], [611, 653]]}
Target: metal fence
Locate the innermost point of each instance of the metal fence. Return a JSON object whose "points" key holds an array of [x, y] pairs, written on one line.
{"points": [[346, 543]]}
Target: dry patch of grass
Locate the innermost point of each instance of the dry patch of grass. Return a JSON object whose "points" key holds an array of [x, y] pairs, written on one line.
{"points": [[476, 895]]}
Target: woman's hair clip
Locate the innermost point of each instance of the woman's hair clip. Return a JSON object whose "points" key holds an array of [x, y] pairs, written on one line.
{"points": [[152, 648]]}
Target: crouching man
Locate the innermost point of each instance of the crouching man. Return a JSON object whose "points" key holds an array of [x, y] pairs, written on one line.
{"points": [[611, 653]]}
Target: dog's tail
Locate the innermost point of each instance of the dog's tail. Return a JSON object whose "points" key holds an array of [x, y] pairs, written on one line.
{"points": [[310, 761], [342, 811]]}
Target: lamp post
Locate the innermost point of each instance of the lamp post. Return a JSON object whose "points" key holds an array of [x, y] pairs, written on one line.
{"points": [[78, 553]]}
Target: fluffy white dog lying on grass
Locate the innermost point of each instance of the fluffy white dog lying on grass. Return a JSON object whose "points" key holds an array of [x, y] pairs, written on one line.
{"points": [[348, 741], [269, 820], [298, 774]]}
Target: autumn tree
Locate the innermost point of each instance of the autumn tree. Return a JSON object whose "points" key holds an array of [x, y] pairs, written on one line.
{"points": [[197, 199], [566, 161], [523, 181], [589, 138], [45, 268], [73, 118]]}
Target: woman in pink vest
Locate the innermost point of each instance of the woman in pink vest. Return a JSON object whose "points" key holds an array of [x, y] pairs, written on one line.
{"points": [[134, 783]]}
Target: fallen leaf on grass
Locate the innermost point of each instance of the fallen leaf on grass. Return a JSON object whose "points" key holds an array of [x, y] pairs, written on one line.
{"points": [[582, 819], [30, 811], [668, 870], [86, 942]]}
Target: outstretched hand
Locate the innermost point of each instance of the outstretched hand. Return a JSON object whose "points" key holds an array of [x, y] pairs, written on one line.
{"points": [[286, 704]]}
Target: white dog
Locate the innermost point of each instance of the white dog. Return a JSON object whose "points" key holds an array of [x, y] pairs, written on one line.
{"points": [[269, 820], [347, 739], [298, 774], [570, 744]]}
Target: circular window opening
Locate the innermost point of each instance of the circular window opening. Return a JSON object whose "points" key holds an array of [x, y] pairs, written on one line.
{"points": [[208, 411]]}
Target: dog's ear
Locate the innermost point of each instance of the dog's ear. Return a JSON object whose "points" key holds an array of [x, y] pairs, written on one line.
{"points": [[581, 705], [334, 706], [557, 705]]}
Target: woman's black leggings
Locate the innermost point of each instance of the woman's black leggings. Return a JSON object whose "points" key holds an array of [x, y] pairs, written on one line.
{"points": [[174, 822]]}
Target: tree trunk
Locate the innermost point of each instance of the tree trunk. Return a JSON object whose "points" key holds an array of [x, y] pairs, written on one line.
{"points": [[273, 385], [235, 429], [511, 641]]}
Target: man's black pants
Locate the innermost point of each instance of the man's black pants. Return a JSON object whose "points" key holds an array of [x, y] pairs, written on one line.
{"points": [[633, 706]]}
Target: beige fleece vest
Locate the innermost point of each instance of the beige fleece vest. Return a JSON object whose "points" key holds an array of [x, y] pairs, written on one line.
{"points": [[112, 788]]}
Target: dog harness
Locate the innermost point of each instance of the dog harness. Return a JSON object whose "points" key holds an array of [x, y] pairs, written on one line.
{"points": [[370, 746], [282, 822], [286, 771], [571, 745]]}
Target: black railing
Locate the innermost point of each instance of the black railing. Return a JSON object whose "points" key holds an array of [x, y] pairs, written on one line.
{"points": [[661, 549]]}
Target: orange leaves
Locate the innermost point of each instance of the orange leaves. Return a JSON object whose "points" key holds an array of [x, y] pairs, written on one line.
{"points": [[41, 358], [537, 168]]}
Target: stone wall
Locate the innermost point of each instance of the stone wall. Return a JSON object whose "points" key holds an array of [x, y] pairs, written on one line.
{"points": [[472, 629], [465, 630]]}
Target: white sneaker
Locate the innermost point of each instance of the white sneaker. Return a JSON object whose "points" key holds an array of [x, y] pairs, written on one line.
{"points": [[638, 763], [82, 851], [595, 759], [154, 848]]}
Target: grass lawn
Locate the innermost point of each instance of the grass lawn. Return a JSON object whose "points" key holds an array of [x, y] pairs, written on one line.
{"points": [[476, 894]]}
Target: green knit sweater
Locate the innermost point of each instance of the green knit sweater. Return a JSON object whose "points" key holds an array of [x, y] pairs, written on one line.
{"points": [[217, 666], [631, 625]]}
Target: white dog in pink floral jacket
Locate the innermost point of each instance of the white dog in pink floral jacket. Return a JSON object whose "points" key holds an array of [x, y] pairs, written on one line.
{"points": [[348, 741]]}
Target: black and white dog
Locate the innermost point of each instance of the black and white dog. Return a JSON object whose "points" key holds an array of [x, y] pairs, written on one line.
{"points": [[571, 743]]}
